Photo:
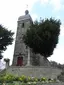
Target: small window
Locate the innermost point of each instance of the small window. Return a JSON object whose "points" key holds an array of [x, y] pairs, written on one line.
{"points": [[22, 25], [26, 46], [22, 35]]}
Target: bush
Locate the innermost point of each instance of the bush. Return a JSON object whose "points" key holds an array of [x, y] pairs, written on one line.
{"points": [[10, 78]]}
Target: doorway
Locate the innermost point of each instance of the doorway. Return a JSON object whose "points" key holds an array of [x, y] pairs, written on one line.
{"points": [[19, 61]]}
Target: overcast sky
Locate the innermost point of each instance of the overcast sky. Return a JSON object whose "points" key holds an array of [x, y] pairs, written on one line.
{"points": [[10, 10]]}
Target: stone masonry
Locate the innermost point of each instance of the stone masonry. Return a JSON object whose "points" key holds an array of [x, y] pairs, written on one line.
{"points": [[21, 49]]}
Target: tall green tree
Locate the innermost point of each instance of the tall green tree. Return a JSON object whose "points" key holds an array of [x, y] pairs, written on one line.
{"points": [[6, 38], [42, 37]]}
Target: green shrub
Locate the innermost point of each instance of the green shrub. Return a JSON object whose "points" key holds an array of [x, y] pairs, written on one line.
{"points": [[43, 79], [10, 78], [23, 78]]}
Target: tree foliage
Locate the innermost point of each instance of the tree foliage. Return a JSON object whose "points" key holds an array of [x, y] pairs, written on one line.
{"points": [[42, 36], [6, 38], [6, 59]]}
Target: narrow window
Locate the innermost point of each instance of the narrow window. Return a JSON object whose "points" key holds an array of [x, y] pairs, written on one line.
{"points": [[22, 25], [26, 46]]}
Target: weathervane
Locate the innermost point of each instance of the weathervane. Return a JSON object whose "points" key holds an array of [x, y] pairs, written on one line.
{"points": [[26, 12], [27, 6]]}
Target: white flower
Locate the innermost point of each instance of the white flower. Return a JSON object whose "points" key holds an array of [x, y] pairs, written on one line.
{"points": [[29, 83], [34, 82]]}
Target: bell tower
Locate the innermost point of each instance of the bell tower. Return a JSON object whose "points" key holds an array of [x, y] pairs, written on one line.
{"points": [[21, 51]]}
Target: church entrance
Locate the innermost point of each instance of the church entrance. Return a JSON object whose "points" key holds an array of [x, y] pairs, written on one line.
{"points": [[20, 61]]}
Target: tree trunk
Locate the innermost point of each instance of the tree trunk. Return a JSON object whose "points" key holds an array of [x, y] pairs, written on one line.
{"points": [[44, 61]]}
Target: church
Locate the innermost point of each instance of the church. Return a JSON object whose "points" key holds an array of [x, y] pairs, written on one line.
{"points": [[25, 62], [23, 56]]}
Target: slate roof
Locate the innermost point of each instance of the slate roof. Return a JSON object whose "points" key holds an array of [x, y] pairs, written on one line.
{"points": [[25, 17]]}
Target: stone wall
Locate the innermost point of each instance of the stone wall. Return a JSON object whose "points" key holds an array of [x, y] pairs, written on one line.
{"points": [[51, 83], [34, 71], [16, 83], [20, 47]]}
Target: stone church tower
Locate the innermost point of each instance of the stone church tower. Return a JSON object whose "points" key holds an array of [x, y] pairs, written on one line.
{"points": [[21, 55]]}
